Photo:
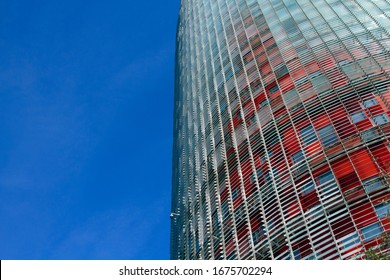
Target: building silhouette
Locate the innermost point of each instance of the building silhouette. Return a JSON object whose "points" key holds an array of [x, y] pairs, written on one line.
{"points": [[281, 129]]}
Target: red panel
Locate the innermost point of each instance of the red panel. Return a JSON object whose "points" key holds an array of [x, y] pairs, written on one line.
{"points": [[286, 83], [342, 56], [381, 155], [293, 209], [246, 166], [248, 110], [304, 247], [386, 224], [320, 171], [249, 187], [237, 120], [321, 121], [224, 195], [349, 182], [290, 141], [328, 63], [312, 67], [364, 164], [258, 100], [342, 227], [344, 128], [341, 122], [280, 112], [258, 50], [269, 87], [345, 174], [342, 167], [238, 200], [363, 214], [309, 200], [230, 246], [242, 232], [337, 78], [298, 73], [248, 57], [381, 199], [364, 124], [255, 221], [376, 109], [313, 148]]}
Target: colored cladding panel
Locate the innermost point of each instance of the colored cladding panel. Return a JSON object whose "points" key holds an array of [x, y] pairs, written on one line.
{"points": [[281, 131]]}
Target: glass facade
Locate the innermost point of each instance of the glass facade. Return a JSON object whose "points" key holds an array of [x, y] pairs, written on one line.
{"points": [[281, 129]]}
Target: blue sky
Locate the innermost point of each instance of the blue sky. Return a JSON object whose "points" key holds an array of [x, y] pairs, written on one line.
{"points": [[86, 105]]}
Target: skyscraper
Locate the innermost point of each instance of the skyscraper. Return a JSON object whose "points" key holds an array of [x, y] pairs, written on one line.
{"points": [[281, 130]]}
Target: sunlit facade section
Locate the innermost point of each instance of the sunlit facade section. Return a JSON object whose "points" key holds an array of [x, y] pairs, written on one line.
{"points": [[281, 130]]}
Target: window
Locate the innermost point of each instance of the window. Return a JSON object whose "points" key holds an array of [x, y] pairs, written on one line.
{"points": [[350, 240], [270, 225], [315, 74], [290, 97], [235, 193], [259, 172], [216, 230], [369, 134], [256, 236], [369, 103], [315, 212], [264, 103], [327, 135], [382, 210], [325, 177], [371, 231], [380, 119], [358, 117], [308, 187], [225, 209], [232, 256], [268, 177], [308, 135], [297, 157], [274, 89], [327, 183], [223, 106], [297, 255], [371, 184]]}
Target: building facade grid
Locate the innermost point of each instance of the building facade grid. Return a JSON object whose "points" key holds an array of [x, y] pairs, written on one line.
{"points": [[281, 130]]}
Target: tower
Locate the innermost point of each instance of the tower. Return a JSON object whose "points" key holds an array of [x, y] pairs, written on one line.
{"points": [[281, 129]]}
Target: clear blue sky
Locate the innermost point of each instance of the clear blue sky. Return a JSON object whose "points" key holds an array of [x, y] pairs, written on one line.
{"points": [[86, 105]]}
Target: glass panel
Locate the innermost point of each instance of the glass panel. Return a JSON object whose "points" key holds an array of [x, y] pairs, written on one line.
{"points": [[371, 185], [308, 135], [382, 210], [327, 135], [325, 177], [297, 255], [297, 157], [358, 117], [225, 209], [307, 187], [369, 103], [256, 236], [274, 89], [372, 231], [381, 119], [235, 193], [369, 134], [350, 240]]}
